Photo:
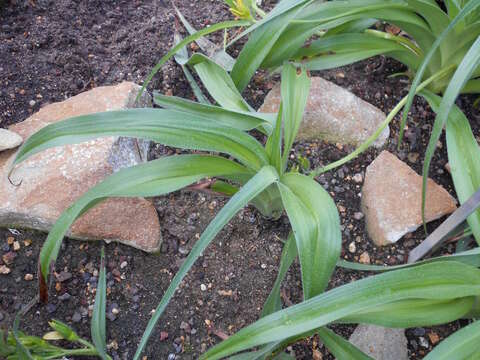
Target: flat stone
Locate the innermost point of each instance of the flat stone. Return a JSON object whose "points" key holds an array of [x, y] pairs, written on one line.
{"points": [[53, 179], [9, 140], [381, 343], [392, 199], [333, 114]]}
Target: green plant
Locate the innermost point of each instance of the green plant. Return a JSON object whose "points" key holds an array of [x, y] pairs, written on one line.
{"points": [[259, 175], [441, 49], [17, 345]]}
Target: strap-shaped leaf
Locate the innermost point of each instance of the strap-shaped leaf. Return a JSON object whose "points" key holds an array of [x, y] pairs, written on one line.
{"points": [[259, 45], [218, 83], [295, 88], [438, 281], [289, 253], [469, 63], [463, 157], [316, 225], [339, 347], [164, 126], [469, 257], [97, 326], [265, 177], [241, 120], [273, 147], [154, 178], [199, 34], [213, 51], [429, 56], [461, 345]]}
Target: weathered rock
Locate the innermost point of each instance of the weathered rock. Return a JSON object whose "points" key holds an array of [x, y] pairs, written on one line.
{"points": [[381, 343], [392, 197], [9, 140], [53, 179], [333, 114]]}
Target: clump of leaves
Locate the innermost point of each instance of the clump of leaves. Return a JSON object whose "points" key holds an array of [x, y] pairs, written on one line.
{"points": [[255, 174], [16, 345], [244, 9]]}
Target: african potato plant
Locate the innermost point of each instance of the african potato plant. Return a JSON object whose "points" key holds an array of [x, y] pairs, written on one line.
{"points": [[439, 42], [253, 173]]}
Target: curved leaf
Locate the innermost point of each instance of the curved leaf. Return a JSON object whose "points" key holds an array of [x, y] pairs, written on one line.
{"points": [[316, 226], [98, 327], [241, 120], [155, 178], [265, 177], [438, 281], [164, 126], [469, 63], [459, 346]]}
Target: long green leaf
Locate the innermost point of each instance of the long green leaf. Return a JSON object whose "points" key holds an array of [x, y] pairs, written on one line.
{"points": [[98, 326], [265, 177], [289, 253], [469, 63], [438, 281], [339, 347], [428, 57], [463, 156], [469, 257], [186, 41], [259, 45], [316, 225], [459, 346], [155, 178], [164, 126], [241, 120], [21, 351], [295, 87], [218, 83]]}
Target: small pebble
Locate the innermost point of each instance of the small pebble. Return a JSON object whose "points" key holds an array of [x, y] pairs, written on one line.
{"points": [[51, 308], [352, 248], [423, 342], [64, 276], [203, 287], [64, 297], [358, 215], [32, 102], [16, 246], [358, 178], [76, 317], [28, 277], [365, 258], [123, 265]]}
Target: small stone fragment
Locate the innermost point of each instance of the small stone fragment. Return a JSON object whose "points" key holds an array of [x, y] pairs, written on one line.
{"points": [[28, 277], [27, 242], [4, 270], [364, 258], [434, 338], [358, 215], [77, 317], [358, 178], [9, 140], [9, 257], [163, 335], [64, 276], [10, 240], [381, 343], [203, 287], [123, 265], [392, 199], [352, 247], [16, 246]]}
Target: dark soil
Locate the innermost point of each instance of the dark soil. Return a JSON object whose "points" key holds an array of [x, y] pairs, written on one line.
{"points": [[52, 50]]}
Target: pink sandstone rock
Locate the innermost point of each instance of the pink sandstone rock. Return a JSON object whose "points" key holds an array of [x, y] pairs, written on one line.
{"points": [[54, 178], [392, 197], [333, 114]]}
